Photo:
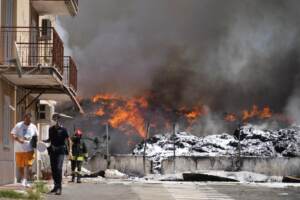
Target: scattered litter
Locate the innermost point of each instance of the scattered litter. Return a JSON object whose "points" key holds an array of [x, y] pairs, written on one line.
{"points": [[114, 174]]}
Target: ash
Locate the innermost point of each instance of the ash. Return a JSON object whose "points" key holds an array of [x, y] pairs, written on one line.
{"points": [[253, 141]]}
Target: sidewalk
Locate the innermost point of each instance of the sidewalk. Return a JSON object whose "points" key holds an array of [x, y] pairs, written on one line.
{"points": [[15, 186]]}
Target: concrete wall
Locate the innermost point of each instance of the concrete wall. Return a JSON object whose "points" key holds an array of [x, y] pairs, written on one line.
{"points": [[7, 172], [269, 166], [131, 165]]}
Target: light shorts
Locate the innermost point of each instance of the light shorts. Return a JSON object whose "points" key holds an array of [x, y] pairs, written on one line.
{"points": [[24, 158]]}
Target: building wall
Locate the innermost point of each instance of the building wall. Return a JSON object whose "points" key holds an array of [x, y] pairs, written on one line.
{"points": [[23, 13], [7, 172]]}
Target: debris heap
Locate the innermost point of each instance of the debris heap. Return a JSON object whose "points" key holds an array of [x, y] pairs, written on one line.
{"points": [[253, 142]]}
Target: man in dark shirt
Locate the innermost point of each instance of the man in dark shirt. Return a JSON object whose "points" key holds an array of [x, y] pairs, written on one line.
{"points": [[58, 138]]}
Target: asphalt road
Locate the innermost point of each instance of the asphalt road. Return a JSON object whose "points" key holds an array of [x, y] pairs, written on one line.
{"points": [[129, 190]]}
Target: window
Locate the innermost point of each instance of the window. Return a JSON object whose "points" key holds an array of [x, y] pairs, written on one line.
{"points": [[6, 120], [42, 112]]}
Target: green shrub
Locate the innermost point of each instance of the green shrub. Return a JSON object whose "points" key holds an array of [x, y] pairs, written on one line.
{"points": [[11, 194], [34, 193]]}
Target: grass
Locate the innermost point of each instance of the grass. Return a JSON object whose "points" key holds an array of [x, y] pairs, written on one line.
{"points": [[11, 194], [34, 193]]}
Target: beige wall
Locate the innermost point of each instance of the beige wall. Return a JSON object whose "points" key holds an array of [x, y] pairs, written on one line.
{"points": [[6, 151], [23, 13]]}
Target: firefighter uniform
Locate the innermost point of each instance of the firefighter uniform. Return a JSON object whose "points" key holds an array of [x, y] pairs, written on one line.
{"points": [[79, 154]]}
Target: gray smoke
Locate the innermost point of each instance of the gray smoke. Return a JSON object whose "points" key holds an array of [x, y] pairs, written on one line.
{"points": [[225, 54]]}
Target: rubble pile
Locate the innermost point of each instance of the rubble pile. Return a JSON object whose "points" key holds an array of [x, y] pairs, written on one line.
{"points": [[253, 142]]}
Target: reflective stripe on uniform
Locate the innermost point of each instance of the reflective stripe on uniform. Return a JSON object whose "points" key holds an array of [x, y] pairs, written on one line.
{"points": [[78, 158]]}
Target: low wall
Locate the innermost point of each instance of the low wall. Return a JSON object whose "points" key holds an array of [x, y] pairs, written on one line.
{"points": [[268, 166], [128, 164]]}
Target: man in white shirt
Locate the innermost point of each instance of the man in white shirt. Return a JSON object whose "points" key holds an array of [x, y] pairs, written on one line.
{"points": [[22, 134]]}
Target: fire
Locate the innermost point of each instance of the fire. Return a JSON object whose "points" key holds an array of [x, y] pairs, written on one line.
{"points": [[130, 114], [100, 112], [255, 112], [265, 113], [230, 117], [105, 96], [125, 113], [194, 113]]}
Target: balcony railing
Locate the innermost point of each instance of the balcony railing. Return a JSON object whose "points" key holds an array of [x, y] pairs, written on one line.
{"points": [[70, 75], [75, 2], [35, 46]]}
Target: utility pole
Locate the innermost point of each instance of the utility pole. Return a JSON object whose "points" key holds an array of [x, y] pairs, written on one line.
{"points": [[239, 149], [174, 148], [145, 145], [107, 147]]}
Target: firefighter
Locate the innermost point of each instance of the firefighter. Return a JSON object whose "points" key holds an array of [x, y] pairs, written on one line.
{"points": [[79, 154]]}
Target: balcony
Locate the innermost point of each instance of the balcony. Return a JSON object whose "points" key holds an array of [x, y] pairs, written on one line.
{"points": [[70, 73], [56, 7], [36, 47], [33, 58]]}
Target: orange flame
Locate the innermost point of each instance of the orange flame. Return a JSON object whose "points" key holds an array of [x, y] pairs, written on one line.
{"points": [[230, 117], [126, 114], [265, 113], [130, 115], [194, 113], [105, 96], [255, 112], [100, 112]]}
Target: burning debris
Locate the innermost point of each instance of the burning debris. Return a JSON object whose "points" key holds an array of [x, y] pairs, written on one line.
{"points": [[134, 119], [254, 142], [130, 115], [246, 115]]}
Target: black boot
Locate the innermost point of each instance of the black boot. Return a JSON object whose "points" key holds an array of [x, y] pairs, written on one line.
{"points": [[78, 179], [73, 179], [58, 191], [53, 190]]}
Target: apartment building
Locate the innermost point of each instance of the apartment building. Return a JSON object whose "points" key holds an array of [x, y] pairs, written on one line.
{"points": [[34, 72]]}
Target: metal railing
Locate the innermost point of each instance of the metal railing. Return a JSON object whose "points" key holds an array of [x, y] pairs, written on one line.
{"points": [[35, 46], [70, 75]]}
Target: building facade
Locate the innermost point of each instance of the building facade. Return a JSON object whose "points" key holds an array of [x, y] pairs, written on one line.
{"points": [[35, 74]]}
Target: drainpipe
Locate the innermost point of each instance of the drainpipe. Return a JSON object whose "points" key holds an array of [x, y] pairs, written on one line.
{"points": [[13, 142]]}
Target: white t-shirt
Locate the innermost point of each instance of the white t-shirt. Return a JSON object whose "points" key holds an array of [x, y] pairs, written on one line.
{"points": [[23, 131]]}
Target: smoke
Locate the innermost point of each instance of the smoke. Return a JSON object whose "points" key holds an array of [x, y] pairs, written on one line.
{"points": [[228, 55], [293, 107]]}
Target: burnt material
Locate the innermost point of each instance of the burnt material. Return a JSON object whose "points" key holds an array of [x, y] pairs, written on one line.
{"points": [[291, 179], [205, 177]]}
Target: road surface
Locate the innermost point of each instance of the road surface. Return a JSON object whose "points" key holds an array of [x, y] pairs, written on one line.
{"points": [[136, 190]]}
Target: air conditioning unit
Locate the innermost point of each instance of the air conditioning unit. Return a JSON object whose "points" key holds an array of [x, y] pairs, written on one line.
{"points": [[44, 112], [46, 29]]}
